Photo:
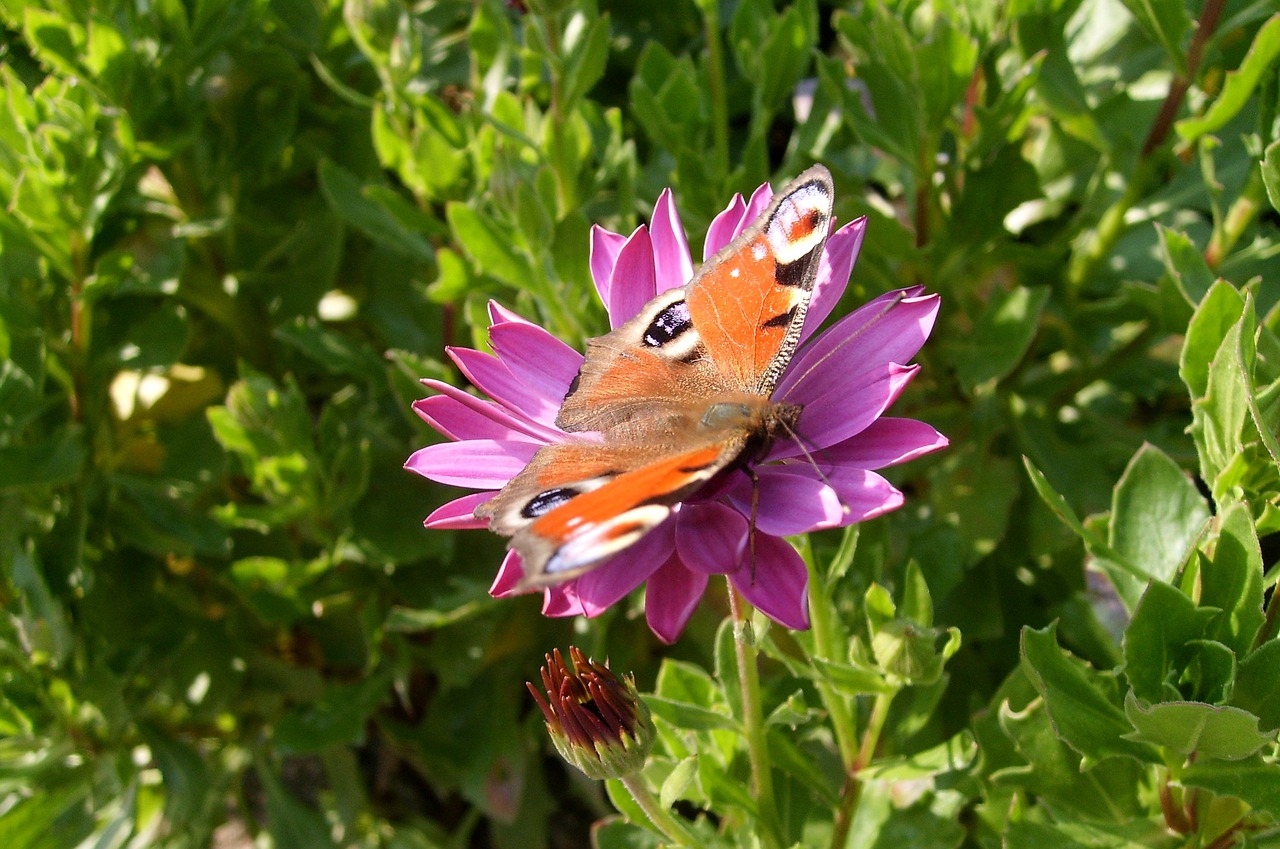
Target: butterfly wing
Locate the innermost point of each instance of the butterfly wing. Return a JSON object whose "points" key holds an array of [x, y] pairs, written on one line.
{"points": [[577, 504], [733, 328]]}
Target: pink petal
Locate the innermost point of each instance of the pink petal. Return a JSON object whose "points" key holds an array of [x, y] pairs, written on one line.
{"points": [[777, 583], [885, 442], [671, 261], [670, 597], [502, 419], [459, 514], [492, 377], [794, 499], [605, 245], [498, 314], [888, 329], [606, 584], [724, 227], [510, 573], [851, 402], [473, 463], [562, 600], [838, 257], [536, 358], [710, 537], [633, 282], [759, 202]]}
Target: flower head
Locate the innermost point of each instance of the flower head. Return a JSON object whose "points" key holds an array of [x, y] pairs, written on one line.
{"points": [[596, 720], [844, 378]]}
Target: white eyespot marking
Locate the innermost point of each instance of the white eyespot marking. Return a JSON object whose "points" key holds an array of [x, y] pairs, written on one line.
{"points": [[758, 251], [800, 223], [607, 538]]}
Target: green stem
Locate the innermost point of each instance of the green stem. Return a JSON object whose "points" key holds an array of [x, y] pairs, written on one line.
{"points": [[848, 807], [716, 87], [753, 723], [674, 830], [1239, 217], [827, 646]]}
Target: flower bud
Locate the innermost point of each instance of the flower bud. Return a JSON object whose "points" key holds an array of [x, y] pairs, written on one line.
{"points": [[596, 719]]}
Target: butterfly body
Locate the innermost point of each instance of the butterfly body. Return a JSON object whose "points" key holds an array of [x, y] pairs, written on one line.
{"points": [[674, 399]]}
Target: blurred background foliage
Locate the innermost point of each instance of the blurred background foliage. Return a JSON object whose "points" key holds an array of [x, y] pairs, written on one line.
{"points": [[237, 232]]}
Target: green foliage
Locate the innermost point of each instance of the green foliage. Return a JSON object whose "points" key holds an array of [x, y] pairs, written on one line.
{"points": [[236, 234]]}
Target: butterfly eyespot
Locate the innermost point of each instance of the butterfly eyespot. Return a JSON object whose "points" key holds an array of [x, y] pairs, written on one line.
{"points": [[545, 502], [667, 325]]}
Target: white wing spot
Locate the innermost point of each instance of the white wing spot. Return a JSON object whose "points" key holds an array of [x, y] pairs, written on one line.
{"points": [[758, 251], [735, 273]]}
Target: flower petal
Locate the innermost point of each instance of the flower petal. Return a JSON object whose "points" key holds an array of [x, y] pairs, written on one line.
{"points": [[459, 514], [492, 377], [777, 583], [838, 257], [759, 202], [710, 537], [510, 573], [605, 245], [888, 329], [498, 314], [670, 597], [671, 261], [795, 500], [474, 463], [885, 442], [850, 404], [724, 227], [536, 358], [609, 582], [633, 282], [519, 426]]}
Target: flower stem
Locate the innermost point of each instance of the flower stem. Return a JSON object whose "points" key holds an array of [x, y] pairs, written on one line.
{"points": [[826, 646], [848, 806], [753, 722], [674, 830]]}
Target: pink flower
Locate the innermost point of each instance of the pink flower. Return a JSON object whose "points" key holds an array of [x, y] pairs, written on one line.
{"points": [[845, 379]]}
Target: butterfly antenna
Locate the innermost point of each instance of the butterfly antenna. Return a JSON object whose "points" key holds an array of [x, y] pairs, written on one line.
{"points": [[845, 341]]}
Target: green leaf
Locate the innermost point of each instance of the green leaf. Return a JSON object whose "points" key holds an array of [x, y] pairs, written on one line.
{"points": [[291, 824], [690, 716], [1257, 686], [1157, 640], [339, 717], [1027, 834], [953, 755], [53, 461], [1185, 264], [678, 781], [1232, 580], [1219, 310], [1080, 701], [1002, 335], [186, 776], [1256, 781], [370, 211], [488, 247], [1156, 515], [1239, 84], [1165, 22], [1271, 173], [852, 680], [1209, 731]]}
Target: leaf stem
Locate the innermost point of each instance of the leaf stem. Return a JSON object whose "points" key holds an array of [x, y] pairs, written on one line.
{"points": [[674, 830], [753, 722], [826, 646], [848, 807]]}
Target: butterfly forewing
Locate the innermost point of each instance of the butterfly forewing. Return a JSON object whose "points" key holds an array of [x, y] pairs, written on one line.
{"points": [[749, 301]]}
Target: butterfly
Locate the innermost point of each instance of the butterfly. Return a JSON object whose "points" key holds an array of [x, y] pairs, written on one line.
{"points": [[673, 399]]}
